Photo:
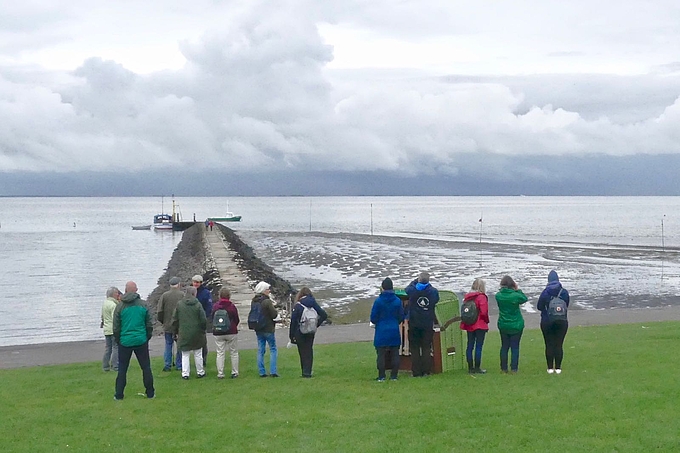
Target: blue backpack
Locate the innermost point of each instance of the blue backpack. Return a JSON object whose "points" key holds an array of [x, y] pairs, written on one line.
{"points": [[256, 319]]}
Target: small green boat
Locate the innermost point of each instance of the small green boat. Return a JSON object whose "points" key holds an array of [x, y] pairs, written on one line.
{"points": [[230, 217]]}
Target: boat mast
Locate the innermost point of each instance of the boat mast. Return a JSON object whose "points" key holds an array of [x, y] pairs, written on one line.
{"points": [[174, 219]]}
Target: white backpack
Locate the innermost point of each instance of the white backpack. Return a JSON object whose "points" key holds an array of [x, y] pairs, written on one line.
{"points": [[308, 320]]}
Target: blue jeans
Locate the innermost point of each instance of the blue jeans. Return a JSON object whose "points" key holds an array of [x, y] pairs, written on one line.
{"points": [[167, 355], [510, 341], [475, 341], [110, 359], [262, 340]]}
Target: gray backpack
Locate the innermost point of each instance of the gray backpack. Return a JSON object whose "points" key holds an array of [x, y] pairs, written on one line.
{"points": [[557, 308], [308, 320]]}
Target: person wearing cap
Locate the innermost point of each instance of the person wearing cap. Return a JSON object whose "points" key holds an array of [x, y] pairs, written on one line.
{"points": [[110, 359], [266, 334], [166, 306], [132, 329], [422, 298], [387, 314], [554, 330], [205, 298], [189, 322]]}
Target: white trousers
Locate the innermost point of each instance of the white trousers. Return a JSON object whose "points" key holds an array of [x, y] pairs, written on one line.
{"points": [[198, 361], [222, 342]]}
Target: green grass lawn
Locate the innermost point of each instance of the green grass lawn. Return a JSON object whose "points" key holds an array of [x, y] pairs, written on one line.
{"points": [[618, 392]]}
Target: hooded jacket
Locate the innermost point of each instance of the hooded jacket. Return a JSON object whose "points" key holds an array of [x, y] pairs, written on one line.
{"points": [[205, 298], [269, 311], [422, 298], [551, 290], [131, 321], [189, 323], [108, 308], [482, 303], [510, 318], [226, 304], [387, 313], [310, 302]]}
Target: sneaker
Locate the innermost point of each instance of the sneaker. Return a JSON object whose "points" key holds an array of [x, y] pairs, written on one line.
{"points": [[200, 376], [551, 371], [274, 375], [186, 378], [115, 398], [480, 371], [147, 397], [167, 369], [234, 375], [558, 371], [264, 375], [380, 379], [393, 379], [220, 376]]}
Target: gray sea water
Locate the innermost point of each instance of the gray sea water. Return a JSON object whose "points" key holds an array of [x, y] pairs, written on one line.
{"points": [[59, 255]]}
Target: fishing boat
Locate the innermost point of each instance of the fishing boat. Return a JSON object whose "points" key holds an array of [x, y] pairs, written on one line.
{"points": [[162, 222], [230, 217]]}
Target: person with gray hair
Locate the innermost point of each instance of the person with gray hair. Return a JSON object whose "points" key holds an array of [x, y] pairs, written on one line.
{"points": [[422, 298], [110, 359], [166, 307], [189, 323], [262, 306]]}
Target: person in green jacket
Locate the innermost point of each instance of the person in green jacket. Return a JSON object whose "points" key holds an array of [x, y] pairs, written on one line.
{"points": [[510, 321], [132, 330], [189, 323]]}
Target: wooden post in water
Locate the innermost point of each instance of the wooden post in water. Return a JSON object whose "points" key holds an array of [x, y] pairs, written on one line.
{"points": [[371, 219], [481, 251], [663, 246]]}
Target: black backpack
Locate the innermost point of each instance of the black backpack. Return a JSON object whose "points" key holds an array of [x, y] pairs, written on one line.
{"points": [[557, 308], [469, 312], [256, 320], [221, 322]]}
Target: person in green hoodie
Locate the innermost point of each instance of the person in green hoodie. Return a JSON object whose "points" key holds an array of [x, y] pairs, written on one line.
{"points": [[189, 323], [510, 321], [132, 331]]}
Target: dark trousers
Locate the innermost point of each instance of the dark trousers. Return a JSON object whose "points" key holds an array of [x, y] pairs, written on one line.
{"points": [[511, 342], [475, 340], [393, 353], [124, 356], [420, 343], [553, 335], [305, 347]]}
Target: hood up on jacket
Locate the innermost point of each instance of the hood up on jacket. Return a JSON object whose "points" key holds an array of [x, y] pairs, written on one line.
{"points": [[128, 298]]}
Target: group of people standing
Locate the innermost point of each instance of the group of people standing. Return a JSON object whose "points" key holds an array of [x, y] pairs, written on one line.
{"points": [[388, 313]]}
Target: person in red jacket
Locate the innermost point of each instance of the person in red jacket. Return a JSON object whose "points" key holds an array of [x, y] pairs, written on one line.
{"points": [[477, 331], [228, 339]]}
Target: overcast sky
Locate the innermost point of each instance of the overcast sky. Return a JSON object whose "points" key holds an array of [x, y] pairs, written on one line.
{"points": [[419, 88]]}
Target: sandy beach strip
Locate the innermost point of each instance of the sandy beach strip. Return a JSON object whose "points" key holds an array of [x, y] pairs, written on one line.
{"points": [[92, 351]]}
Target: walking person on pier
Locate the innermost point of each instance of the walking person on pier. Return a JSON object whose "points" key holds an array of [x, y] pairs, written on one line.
{"points": [[132, 330], [225, 330], [307, 315], [262, 320], [166, 307]]}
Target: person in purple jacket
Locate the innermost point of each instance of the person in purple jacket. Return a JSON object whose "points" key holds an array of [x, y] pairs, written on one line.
{"points": [[228, 339], [554, 331], [387, 313]]}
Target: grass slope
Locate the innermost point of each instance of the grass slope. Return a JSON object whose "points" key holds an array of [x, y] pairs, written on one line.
{"points": [[618, 392]]}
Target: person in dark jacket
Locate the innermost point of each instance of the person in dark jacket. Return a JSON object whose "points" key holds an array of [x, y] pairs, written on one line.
{"points": [[266, 335], [422, 298], [228, 339], [166, 307], [132, 330], [387, 314], [205, 298], [553, 331], [305, 341], [189, 322], [510, 321], [477, 331]]}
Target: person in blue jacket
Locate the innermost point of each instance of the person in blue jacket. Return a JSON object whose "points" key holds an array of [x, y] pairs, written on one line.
{"points": [[422, 298], [305, 341], [554, 331], [205, 298], [387, 313]]}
